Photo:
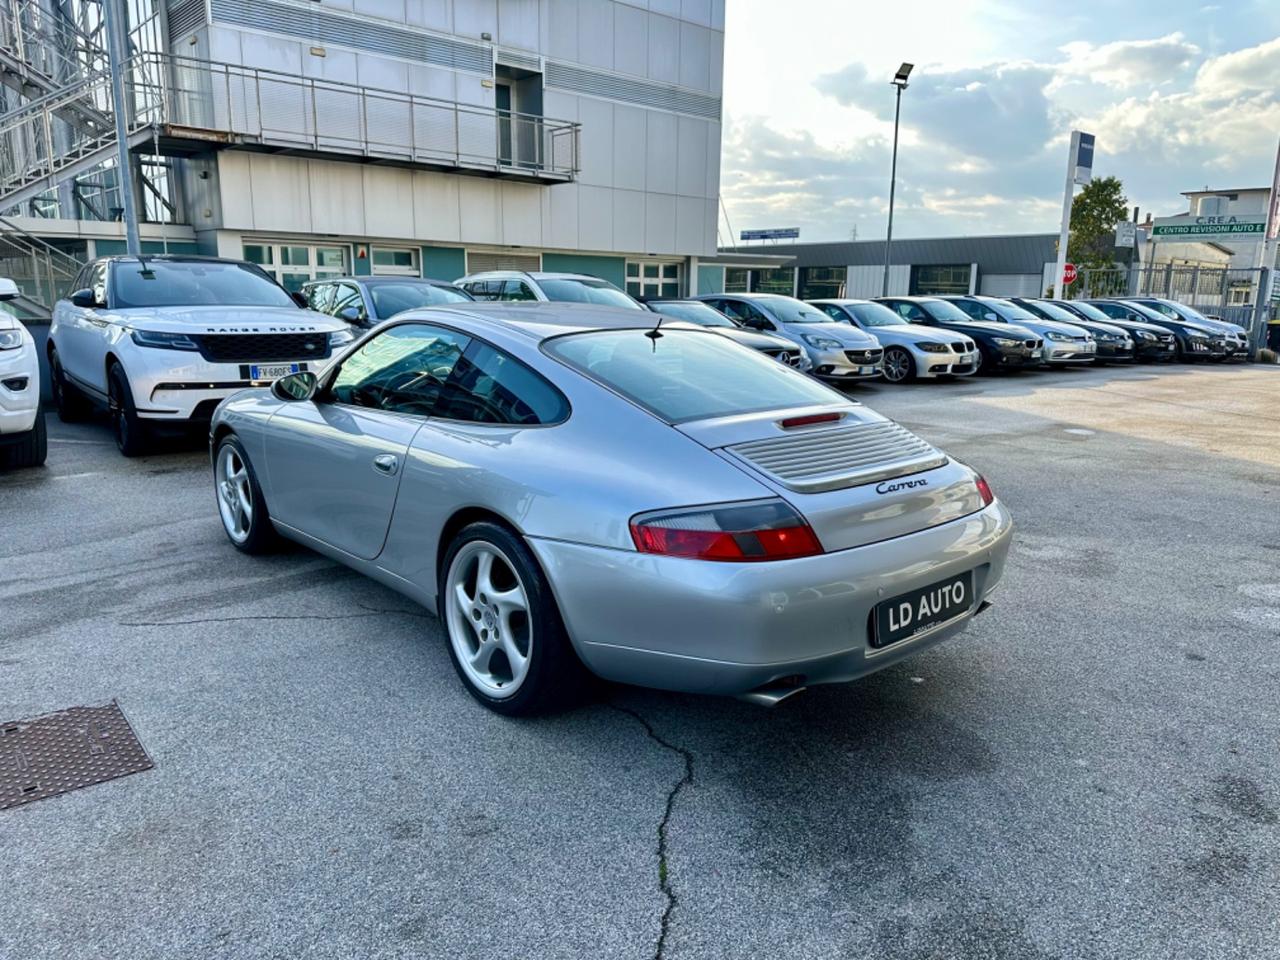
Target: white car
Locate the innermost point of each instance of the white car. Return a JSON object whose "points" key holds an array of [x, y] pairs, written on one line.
{"points": [[911, 350], [22, 437], [161, 341], [517, 285]]}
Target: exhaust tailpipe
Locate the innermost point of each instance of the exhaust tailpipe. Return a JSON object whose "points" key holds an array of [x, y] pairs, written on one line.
{"points": [[772, 694]]}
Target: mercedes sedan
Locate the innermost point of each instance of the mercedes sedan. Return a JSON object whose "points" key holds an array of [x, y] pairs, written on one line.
{"points": [[576, 490]]}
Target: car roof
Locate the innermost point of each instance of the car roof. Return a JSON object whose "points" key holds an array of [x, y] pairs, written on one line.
{"points": [[383, 279], [529, 274], [170, 258]]}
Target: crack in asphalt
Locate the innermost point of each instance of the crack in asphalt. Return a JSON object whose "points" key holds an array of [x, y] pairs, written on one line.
{"points": [[369, 612], [664, 875]]}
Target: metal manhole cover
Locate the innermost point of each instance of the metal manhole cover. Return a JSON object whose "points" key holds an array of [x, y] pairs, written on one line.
{"points": [[59, 752]]}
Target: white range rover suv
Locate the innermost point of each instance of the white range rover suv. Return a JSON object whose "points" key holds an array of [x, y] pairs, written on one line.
{"points": [[22, 437], [161, 340]]}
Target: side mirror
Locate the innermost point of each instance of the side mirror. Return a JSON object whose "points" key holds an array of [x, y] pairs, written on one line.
{"points": [[84, 298], [350, 314], [8, 289], [295, 387], [300, 299]]}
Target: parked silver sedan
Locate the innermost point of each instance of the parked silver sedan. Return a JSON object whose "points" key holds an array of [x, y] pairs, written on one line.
{"points": [[575, 491]]}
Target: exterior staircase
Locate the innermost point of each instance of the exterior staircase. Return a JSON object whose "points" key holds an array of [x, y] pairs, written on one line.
{"points": [[42, 272]]}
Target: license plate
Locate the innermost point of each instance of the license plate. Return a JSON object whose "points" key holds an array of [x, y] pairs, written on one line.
{"points": [[866, 370], [912, 613], [272, 371], [1035, 354]]}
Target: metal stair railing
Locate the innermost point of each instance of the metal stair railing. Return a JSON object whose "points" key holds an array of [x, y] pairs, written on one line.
{"points": [[44, 49], [42, 271]]}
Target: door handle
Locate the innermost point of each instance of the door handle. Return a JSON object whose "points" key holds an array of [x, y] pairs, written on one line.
{"points": [[386, 463]]}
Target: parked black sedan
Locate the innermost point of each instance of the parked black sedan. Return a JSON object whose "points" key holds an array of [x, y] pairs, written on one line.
{"points": [[1001, 345], [1193, 342], [367, 301], [1150, 342], [1114, 344]]}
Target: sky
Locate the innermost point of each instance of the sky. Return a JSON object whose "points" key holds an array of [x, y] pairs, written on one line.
{"points": [[1180, 95]]}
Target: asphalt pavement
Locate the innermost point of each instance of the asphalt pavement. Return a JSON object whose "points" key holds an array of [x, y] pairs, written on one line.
{"points": [[1091, 771]]}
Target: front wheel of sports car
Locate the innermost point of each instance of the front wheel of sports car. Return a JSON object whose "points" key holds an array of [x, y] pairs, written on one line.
{"points": [[506, 638], [899, 367], [240, 504]]}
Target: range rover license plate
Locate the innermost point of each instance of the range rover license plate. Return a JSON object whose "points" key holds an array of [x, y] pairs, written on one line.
{"points": [[272, 371], [923, 608]]}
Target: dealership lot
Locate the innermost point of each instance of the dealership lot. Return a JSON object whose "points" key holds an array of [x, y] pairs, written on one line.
{"points": [[1089, 771]]}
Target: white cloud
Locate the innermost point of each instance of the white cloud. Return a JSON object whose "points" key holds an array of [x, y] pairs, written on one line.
{"points": [[1128, 63]]}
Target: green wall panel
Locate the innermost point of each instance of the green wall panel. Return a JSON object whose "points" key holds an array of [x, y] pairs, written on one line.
{"points": [[613, 269], [111, 248], [444, 263]]}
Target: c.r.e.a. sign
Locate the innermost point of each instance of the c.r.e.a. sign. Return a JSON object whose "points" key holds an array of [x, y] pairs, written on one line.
{"points": [[1209, 228]]}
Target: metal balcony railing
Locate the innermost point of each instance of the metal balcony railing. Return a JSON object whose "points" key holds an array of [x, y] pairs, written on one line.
{"points": [[42, 271], [244, 106], [46, 48]]}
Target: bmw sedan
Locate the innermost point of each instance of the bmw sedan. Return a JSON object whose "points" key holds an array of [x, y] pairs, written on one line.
{"points": [[911, 350], [1114, 344], [575, 492], [1001, 346], [1064, 344]]}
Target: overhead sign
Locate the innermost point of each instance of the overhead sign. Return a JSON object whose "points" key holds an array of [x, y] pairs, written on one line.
{"points": [[1126, 234], [777, 233], [1082, 157], [1210, 228], [1069, 274]]}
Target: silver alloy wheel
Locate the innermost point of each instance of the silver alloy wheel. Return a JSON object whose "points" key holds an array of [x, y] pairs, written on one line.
{"points": [[235, 494], [897, 365], [488, 619]]}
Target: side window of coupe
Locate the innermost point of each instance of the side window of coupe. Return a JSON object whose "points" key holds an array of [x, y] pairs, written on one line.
{"points": [[348, 304], [516, 290], [402, 370], [489, 386]]}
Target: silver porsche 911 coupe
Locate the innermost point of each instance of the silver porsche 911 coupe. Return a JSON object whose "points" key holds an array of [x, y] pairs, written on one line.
{"points": [[576, 489]]}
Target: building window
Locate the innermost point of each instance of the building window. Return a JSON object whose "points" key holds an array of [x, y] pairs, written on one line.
{"points": [[943, 278], [293, 264], [737, 280], [822, 283], [396, 261], [781, 280], [653, 278]]}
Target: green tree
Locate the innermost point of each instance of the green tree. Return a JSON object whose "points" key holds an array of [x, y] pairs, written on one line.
{"points": [[1095, 211]]}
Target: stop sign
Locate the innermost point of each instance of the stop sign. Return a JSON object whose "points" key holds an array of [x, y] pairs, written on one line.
{"points": [[1069, 274]]}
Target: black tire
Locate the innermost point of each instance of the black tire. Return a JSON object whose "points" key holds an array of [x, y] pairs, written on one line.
{"points": [[133, 436], [32, 449], [72, 405], [903, 361], [556, 678], [261, 536]]}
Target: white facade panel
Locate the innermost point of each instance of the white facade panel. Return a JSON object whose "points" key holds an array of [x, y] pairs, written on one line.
{"points": [[690, 225], [336, 191], [562, 30], [692, 138], [480, 210], [696, 11], [560, 217], [237, 204], [595, 218], [383, 73], [271, 53], [664, 49], [596, 142], [388, 202], [338, 65], [628, 146], [518, 24], [595, 33], [659, 223], [474, 17], [436, 206], [386, 9], [281, 194], [631, 40], [695, 56], [628, 220], [522, 214], [432, 14], [661, 149], [864, 282]]}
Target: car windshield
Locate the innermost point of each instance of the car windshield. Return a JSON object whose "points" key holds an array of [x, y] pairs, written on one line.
{"points": [[1009, 310], [396, 297], [946, 312], [875, 315], [1183, 312], [587, 291], [687, 375], [192, 283], [1088, 311], [790, 310], [1055, 312], [694, 312]]}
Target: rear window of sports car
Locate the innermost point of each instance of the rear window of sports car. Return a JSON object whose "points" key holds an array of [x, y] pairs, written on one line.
{"points": [[683, 375]]}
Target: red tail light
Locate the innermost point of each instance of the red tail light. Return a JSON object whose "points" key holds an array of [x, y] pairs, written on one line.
{"points": [[984, 489], [736, 532]]}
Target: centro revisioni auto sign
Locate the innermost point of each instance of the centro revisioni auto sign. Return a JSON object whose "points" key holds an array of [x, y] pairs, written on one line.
{"points": [[1199, 227]]}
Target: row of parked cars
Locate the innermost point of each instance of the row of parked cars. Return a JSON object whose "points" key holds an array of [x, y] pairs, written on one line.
{"points": [[160, 341]]}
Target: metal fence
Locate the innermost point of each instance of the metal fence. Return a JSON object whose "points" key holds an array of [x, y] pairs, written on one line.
{"points": [[234, 104]]}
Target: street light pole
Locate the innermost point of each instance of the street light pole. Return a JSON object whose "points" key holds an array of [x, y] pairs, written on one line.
{"points": [[900, 81], [117, 53]]}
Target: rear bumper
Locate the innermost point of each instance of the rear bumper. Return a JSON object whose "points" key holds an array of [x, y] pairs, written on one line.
{"points": [[729, 628]]}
